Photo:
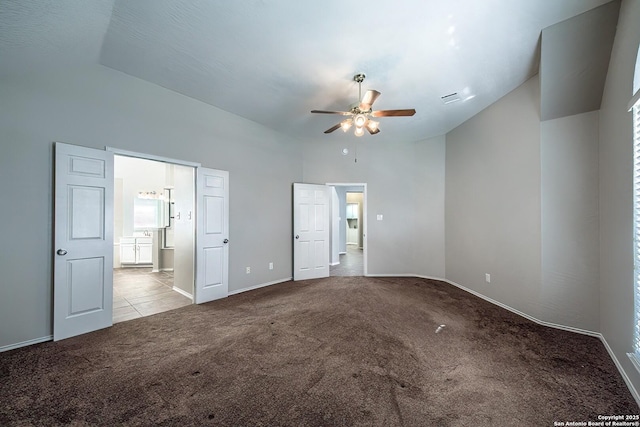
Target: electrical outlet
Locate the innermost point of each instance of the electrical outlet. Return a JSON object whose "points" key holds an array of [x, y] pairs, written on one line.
{"points": [[487, 277], [270, 266], [248, 270]]}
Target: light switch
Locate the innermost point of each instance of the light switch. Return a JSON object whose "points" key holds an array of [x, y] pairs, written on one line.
{"points": [[379, 217]]}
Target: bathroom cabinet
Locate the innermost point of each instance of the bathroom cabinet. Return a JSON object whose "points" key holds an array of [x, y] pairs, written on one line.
{"points": [[136, 250]]}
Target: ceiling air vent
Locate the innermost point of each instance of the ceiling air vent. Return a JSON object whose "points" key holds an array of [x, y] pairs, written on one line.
{"points": [[452, 97]]}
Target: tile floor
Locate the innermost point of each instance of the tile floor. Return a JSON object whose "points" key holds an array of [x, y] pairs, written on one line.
{"points": [[138, 292], [351, 263]]}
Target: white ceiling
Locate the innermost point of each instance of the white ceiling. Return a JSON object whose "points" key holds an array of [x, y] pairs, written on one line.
{"points": [[272, 61]]}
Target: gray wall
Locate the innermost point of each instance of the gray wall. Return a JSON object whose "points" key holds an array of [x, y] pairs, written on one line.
{"points": [[95, 106], [616, 208], [405, 183], [569, 291], [574, 58], [522, 205], [493, 200]]}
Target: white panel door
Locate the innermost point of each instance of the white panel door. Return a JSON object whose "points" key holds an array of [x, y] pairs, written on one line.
{"points": [[311, 247], [212, 235], [83, 258]]}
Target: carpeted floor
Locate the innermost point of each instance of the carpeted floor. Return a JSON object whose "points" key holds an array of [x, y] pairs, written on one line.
{"points": [[343, 351]]}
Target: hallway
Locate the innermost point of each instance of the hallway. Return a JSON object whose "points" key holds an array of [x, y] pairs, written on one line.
{"points": [[351, 263]]}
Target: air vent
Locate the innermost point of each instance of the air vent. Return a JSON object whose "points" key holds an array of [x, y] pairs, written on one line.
{"points": [[452, 97]]}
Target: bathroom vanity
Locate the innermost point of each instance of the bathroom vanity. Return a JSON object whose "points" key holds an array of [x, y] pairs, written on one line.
{"points": [[136, 250]]}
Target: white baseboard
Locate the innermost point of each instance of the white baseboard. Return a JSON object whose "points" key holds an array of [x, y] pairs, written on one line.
{"points": [[166, 269], [520, 313], [26, 343], [334, 263], [262, 285], [625, 377], [183, 292], [598, 335], [401, 275]]}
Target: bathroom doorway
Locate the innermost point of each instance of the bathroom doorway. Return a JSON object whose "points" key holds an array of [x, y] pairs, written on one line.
{"points": [[154, 229]]}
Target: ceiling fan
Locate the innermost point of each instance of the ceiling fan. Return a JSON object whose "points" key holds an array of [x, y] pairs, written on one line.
{"points": [[360, 114]]}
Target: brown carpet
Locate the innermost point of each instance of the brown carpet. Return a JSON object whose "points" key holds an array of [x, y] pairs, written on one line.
{"points": [[344, 351]]}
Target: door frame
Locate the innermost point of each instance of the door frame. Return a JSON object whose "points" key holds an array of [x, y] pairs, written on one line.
{"points": [[195, 166], [365, 242], [119, 152]]}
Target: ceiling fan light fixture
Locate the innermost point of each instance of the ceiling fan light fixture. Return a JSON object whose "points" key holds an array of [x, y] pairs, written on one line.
{"points": [[359, 131], [360, 120], [372, 125], [345, 125]]}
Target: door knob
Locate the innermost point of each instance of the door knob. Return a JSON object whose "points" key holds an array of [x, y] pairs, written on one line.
{"points": [[225, 241], [61, 252], [297, 236]]}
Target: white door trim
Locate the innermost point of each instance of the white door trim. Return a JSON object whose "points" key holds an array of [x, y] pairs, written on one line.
{"points": [[365, 242], [119, 152]]}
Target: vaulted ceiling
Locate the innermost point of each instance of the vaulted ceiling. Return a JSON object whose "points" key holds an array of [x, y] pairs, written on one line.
{"points": [[272, 61]]}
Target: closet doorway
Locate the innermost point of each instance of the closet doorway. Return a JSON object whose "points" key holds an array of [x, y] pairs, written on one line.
{"points": [[154, 236]]}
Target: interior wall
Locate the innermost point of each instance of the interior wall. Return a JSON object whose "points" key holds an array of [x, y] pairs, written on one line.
{"points": [[342, 223], [184, 228], [616, 189], [569, 291], [94, 106], [405, 184], [335, 227], [353, 197], [493, 200], [131, 176], [137, 175]]}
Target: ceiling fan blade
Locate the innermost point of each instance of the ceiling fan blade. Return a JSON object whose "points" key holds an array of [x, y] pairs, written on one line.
{"points": [[368, 99], [373, 132], [393, 113], [343, 113], [331, 129]]}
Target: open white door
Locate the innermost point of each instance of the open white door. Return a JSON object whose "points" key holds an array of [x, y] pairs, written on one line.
{"points": [[311, 247], [83, 258], [212, 235]]}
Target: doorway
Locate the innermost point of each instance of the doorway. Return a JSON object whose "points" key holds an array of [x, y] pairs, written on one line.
{"points": [[348, 230], [154, 206], [83, 238]]}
